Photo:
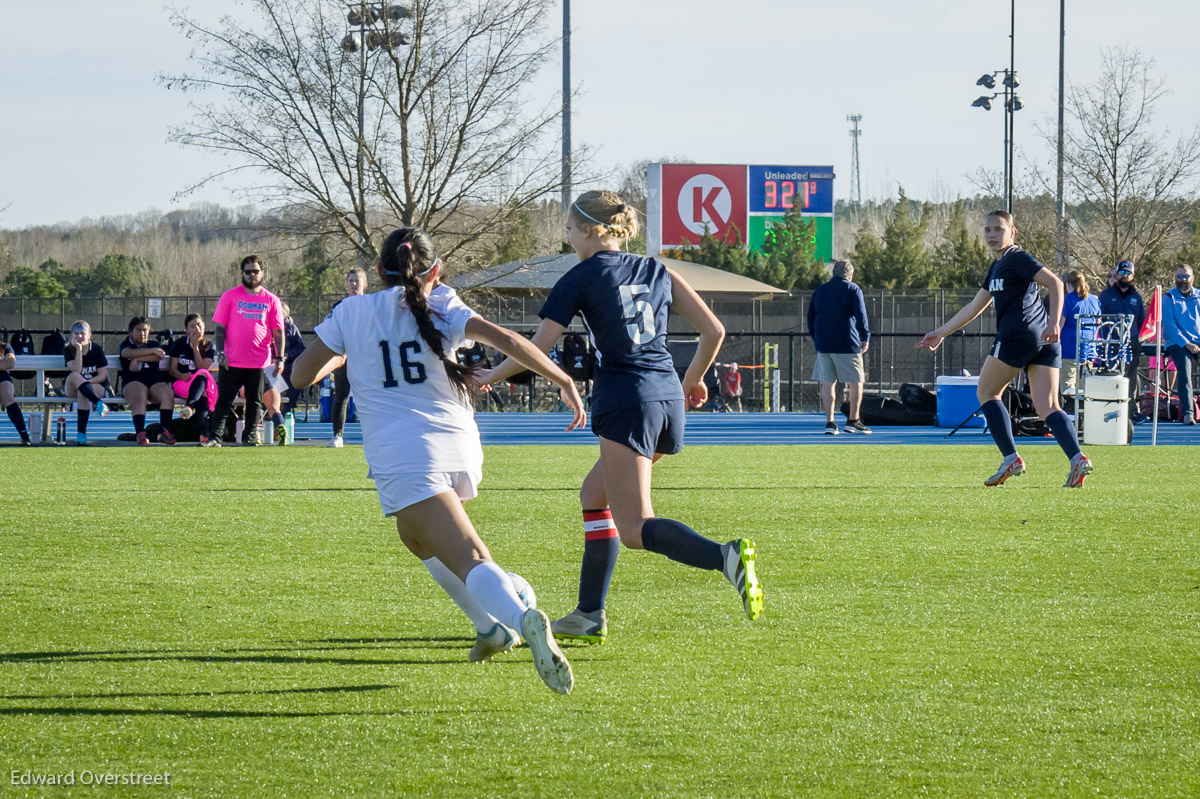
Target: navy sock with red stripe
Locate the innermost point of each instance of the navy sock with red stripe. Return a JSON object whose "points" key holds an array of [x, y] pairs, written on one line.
{"points": [[601, 545]]}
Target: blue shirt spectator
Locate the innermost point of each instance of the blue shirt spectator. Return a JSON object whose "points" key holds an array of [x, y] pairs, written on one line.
{"points": [[1075, 306], [1181, 316]]}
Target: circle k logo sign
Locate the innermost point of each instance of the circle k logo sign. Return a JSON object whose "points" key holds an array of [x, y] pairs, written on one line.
{"points": [[704, 201]]}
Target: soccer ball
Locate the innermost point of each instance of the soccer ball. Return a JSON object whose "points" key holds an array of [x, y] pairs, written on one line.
{"points": [[524, 590]]}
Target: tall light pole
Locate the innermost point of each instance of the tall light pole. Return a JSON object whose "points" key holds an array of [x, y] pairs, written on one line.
{"points": [[566, 107], [1012, 104], [362, 38], [1060, 243]]}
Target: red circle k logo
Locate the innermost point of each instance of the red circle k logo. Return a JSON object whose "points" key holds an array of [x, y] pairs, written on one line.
{"points": [[704, 201]]}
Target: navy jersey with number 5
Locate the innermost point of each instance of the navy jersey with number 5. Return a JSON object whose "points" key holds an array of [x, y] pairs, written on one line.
{"points": [[624, 300], [1020, 313]]}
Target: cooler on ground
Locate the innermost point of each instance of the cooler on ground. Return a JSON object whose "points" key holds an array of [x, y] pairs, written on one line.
{"points": [[956, 401]]}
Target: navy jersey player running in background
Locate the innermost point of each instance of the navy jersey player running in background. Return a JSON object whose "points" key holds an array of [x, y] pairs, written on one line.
{"points": [[1026, 339], [637, 405]]}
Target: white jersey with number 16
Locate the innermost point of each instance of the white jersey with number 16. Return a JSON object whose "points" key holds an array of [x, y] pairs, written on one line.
{"points": [[412, 418]]}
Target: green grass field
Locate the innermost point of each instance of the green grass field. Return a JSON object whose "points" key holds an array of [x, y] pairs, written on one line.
{"points": [[246, 621]]}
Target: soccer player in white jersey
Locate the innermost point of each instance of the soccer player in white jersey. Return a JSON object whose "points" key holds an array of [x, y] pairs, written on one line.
{"points": [[419, 434]]}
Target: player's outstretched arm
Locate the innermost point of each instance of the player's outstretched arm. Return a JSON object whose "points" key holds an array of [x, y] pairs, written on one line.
{"points": [[547, 333], [687, 302], [525, 353], [314, 363]]}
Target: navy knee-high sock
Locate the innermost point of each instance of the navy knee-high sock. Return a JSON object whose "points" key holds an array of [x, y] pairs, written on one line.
{"points": [[139, 422], [164, 416], [1064, 432], [86, 390], [601, 545], [202, 418], [81, 420], [681, 543], [18, 418], [1000, 426]]}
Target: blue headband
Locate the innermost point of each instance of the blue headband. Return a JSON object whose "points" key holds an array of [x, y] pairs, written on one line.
{"points": [[575, 205]]}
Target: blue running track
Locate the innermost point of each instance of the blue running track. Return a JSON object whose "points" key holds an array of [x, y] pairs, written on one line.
{"points": [[702, 429]]}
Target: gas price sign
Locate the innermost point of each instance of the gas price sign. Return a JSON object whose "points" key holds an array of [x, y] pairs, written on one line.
{"points": [[686, 199]]}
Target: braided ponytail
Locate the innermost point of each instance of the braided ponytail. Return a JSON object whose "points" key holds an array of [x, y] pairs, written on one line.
{"points": [[407, 254]]}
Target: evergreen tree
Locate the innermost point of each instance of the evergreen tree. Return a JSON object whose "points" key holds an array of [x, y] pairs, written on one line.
{"points": [[905, 261], [961, 259], [25, 281], [788, 259], [728, 254], [867, 258], [117, 275], [1190, 252], [517, 240], [319, 272]]}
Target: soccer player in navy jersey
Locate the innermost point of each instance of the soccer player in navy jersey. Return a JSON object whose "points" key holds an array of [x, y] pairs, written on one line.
{"points": [[8, 359], [1026, 339], [637, 405], [87, 380], [143, 381]]}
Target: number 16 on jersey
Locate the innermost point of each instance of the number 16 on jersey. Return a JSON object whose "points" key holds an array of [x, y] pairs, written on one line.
{"points": [[412, 370]]}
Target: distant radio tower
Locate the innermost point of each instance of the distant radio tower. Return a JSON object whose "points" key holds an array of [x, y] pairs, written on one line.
{"points": [[855, 176]]}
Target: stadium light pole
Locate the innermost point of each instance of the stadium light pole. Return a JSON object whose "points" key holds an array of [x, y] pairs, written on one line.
{"points": [[364, 37], [566, 107], [1012, 104], [1060, 243]]}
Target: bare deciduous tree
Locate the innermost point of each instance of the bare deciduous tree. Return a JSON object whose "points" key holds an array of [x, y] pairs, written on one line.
{"points": [[1131, 189], [450, 140]]}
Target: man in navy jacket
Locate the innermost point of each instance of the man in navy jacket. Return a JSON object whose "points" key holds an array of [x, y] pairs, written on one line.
{"points": [[837, 321], [1122, 298]]}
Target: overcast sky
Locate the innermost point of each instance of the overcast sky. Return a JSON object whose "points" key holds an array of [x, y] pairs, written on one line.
{"points": [[84, 124]]}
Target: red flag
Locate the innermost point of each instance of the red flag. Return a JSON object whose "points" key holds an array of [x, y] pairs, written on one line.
{"points": [[1150, 328]]}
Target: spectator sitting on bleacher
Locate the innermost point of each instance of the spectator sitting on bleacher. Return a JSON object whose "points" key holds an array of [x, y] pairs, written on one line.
{"points": [[8, 359], [88, 378], [190, 361], [143, 381]]}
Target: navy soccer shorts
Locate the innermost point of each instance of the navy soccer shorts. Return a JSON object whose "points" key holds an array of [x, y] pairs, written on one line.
{"points": [[649, 428], [1020, 354]]}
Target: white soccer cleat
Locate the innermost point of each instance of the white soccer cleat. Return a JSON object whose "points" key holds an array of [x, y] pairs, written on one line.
{"points": [[1081, 467], [499, 640], [1004, 472], [548, 659], [579, 626], [336, 442]]}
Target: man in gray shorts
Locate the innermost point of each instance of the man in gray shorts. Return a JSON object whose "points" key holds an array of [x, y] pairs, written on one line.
{"points": [[837, 322]]}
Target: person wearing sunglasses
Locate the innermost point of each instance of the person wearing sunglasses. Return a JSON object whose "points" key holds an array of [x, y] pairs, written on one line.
{"points": [[1122, 298], [1181, 336], [249, 321]]}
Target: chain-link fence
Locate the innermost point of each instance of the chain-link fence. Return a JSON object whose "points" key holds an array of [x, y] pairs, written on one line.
{"points": [[898, 320]]}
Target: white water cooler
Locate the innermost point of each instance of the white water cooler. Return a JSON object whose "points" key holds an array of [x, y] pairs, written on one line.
{"points": [[1106, 410]]}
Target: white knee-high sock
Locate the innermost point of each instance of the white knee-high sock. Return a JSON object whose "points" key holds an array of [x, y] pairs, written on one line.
{"points": [[453, 586], [493, 590]]}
